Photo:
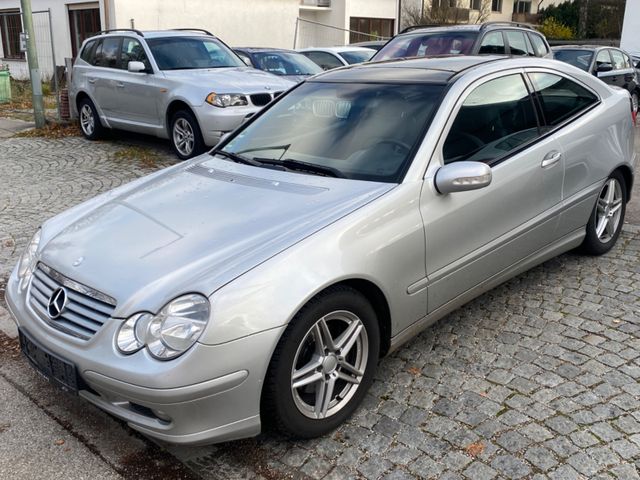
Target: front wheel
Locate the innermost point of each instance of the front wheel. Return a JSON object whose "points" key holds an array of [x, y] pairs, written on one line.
{"points": [[323, 364], [607, 218], [186, 137]]}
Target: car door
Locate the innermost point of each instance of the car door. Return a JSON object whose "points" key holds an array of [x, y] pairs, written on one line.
{"points": [[136, 99], [474, 235], [626, 73], [603, 60], [105, 75]]}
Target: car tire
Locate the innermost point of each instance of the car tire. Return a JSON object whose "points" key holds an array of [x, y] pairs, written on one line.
{"points": [[185, 135], [634, 102], [302, 411], [607, 218], [89, 119]]}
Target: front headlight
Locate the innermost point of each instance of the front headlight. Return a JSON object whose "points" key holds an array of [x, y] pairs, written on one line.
{"points": [[169, 333], [28, 261], [227, 100]]}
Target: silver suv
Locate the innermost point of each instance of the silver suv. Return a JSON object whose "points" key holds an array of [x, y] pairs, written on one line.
{"points": [[187, 86]]}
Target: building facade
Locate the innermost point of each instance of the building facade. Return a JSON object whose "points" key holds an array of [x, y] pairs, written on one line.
{"points": [[246, 23]]}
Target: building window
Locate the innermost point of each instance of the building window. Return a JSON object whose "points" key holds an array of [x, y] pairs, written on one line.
{"points": [[10, 28], [522, 7], [475, 4], [496, 6], [375, 27], [83, 23]]}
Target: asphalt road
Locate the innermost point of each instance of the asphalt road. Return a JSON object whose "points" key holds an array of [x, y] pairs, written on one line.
{"points": [[536, 379]]}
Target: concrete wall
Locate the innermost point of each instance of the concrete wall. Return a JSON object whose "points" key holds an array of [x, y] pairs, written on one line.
{"points": [[630, 40]]}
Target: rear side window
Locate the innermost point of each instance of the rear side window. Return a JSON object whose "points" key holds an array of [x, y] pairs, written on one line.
{"points": [[107, 55], [87, 51], [493, 44], [495, 119], [517, 43], [618, 60], [539, 44], [603, 58], [560, 98], [325, 60]]}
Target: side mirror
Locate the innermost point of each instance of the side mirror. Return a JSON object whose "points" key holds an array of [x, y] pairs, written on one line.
{"points": [[462, 176], [136, 67], [604, 67]]}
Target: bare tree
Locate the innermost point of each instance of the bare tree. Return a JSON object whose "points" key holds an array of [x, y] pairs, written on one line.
{"points": [[447, 11]]}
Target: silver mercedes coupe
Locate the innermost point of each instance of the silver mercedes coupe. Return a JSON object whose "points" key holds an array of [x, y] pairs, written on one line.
{"points": [[262, 282]]}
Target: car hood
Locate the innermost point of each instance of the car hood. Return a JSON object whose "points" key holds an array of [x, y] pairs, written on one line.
{"points": [[231, 80], [197, 228]]}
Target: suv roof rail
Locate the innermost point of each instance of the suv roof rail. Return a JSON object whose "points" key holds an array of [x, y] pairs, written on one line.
{"points": [[102, 32], [201, 30], [504, 22], [411, 28]]}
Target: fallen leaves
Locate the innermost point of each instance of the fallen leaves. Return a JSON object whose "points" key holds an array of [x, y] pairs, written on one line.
{"points": [[414, 371], [52, 130], [474, 449], [59, 442]]}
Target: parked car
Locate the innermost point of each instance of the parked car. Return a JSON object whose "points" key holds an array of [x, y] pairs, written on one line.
{"points": [[334, 57], [263, 281], [373, 44], [288, 64], [494, 38], [609, 64], [187, 86]]}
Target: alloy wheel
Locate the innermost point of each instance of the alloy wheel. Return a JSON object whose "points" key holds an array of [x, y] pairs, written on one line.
{"points": [[608, 210], [87, 120], [183, 136], [329, 364]]}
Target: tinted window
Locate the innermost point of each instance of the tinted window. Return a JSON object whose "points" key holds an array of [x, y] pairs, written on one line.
{"points": [[495, 119], [356, 56], [325, 60], [493, 43], [87, 51], [132, 51], [618, 60], [577, 58], [560, 98], [428, 44], [539, 45], [363, 131], [188, 53], [108, 52], [517, 43], [285, 63]]}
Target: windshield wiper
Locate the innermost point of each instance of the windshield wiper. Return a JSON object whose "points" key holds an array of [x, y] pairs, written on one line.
{"points": [[234, 157], [270, 147], [297, 165]]}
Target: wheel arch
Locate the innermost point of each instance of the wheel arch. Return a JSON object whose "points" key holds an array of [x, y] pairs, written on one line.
{"points": [[627, 174], [175, 106]]}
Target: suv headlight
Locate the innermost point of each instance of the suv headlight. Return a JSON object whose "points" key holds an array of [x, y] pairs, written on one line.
{"points": [[28, 261], [168, 334], [227, 100]]}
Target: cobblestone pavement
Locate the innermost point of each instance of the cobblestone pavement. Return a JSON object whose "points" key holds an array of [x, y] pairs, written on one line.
{"points": [[538, 378]]}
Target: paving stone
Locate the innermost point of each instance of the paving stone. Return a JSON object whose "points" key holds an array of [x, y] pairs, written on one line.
{"points": [[540, 458], [479, 471], [513, 441], [510, 466]]}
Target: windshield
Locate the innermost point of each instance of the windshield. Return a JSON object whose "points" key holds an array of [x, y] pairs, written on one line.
{"points": [[185, 53], [577, 58], [357, 56], [428, 44], [285, 63], [357, 131]]}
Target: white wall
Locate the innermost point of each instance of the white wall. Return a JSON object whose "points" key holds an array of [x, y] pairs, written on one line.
{"points": [[630, 40], [61, 35]]}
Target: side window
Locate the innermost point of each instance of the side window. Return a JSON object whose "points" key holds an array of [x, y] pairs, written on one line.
{"points": [[495, 119], [133, 51], [603, 58], [87, 51], [539, 45], [517, 43], [325, 60], [109, 53], [96, 57], [493, 43], [627, 61], [560, 98], [618, 60]]}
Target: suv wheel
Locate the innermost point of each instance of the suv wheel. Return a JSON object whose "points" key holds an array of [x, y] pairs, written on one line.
{"points": [[186, 137], [89, 120]]}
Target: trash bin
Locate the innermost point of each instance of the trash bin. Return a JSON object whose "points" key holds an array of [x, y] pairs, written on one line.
{"points": [[5, 85]]}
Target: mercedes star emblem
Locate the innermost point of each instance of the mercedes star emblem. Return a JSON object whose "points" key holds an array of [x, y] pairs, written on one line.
{"points": [[57, 302]]}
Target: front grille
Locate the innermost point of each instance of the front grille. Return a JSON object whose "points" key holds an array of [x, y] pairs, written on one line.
{"points": [[260, 99], [86, 309], [277, 94]]}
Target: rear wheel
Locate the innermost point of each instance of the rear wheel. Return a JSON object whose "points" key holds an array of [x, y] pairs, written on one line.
{"points": [[607, 217], [186, 137], [89, 120], [634, 102], [323, 364]]}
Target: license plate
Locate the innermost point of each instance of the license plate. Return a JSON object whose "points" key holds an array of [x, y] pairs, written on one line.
{"points": [[58, 371]]}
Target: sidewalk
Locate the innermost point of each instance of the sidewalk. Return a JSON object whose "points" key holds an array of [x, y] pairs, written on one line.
{"points": [[9, 127]]}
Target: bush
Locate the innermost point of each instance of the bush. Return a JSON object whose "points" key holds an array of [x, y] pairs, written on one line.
{"points": [[553, 29]]}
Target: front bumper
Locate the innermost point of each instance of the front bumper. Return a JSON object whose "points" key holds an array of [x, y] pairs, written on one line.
{"points": [[215, 121], [210, 394]]}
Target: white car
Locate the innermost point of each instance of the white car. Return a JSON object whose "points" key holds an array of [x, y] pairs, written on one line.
{"points": [[334, 57]]}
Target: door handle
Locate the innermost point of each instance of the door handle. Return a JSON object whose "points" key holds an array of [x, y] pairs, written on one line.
{"points": [[91, 80], [551, 159], [120, 85]]}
